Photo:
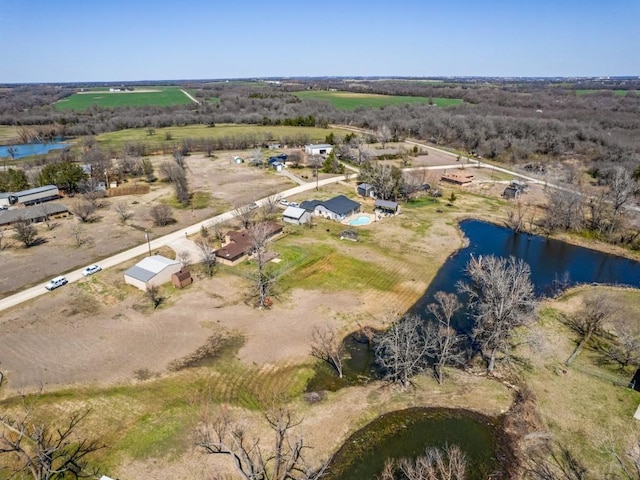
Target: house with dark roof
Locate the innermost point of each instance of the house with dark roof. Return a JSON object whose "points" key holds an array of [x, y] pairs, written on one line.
{"points": [[238, 244], [336, 208]]}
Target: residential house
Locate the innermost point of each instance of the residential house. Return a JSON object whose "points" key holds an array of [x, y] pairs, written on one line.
{"points": [[238, 244], [459, 178], [337, 208], [151, 271]]}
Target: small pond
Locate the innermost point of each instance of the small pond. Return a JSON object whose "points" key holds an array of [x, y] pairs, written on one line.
{"points": [[406, 433], [28, 149]]}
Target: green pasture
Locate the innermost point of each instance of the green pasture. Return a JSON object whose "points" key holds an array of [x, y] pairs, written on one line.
{"points": [[620, 93], [351, 101], [177, 134], [160, 97]]}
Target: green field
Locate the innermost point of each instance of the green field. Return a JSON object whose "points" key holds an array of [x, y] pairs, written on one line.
{"points": [[620, 93], [351, 101], [177, 134], [159, 97]]}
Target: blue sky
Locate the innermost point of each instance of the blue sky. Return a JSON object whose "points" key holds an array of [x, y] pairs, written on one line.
{"points": [[99, 40]]}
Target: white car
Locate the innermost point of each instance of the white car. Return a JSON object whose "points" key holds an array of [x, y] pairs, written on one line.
{"points": [[55, 283], [91, 269], [284, 201]]}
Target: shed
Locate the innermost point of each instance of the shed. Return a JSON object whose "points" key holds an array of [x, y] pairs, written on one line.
{"points": [[296, 215], [511, 193], [387, 206], [318, 149], [154, 270], [181, 278], [366, 190]]}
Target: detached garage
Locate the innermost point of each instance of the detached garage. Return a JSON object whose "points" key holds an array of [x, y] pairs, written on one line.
{"points": [[154, 270], [295, 215]]}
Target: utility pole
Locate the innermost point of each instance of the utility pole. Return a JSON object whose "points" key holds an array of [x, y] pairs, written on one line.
{"points": [[146, 235]]}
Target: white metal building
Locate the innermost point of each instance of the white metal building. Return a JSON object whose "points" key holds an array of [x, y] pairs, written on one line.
{"points": [[318, 149], [295, 215], [153, 270]]}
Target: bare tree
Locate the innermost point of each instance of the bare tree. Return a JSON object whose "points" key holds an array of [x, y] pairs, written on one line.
{"points": [[622, 187], [555, 463], [501, 298], [42, 451], [25, 232], [153, 294], [402, 350], [564, 211], [246, 215], [264, 279], [2, 245], [207, 256], [624, 349], [161, 215], [270, 207], [84, 210], [175, 174], [327, 347], [595, 311], [184, 257], [383, 134], [443, 340], [78, 231], [221, 435], [124, 211], [516, 218], [628, 460], [449, 463]]}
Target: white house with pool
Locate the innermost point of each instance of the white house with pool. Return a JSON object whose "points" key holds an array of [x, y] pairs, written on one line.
{"points": [[336, 208]]}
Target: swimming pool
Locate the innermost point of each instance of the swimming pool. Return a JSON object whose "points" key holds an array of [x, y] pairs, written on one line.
{"points": [[360, 220]]}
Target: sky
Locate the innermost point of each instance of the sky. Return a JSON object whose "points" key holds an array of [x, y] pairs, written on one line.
{"points": [[135, 40]]}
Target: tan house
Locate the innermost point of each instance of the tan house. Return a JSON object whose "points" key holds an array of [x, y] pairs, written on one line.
{"points": [[154, 270], [459, 178]]}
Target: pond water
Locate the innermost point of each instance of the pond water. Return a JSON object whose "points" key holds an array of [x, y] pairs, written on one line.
{"points": [[406, 433], [553, 263], [28, 149]]}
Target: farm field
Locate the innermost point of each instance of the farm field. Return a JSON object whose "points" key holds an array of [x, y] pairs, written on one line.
{"points": [[275, 133], [351, 101], [162, 97], [620, 93]]}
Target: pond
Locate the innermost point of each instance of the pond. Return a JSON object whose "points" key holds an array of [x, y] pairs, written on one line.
{"points": [[28, 149], [406, 433], [553, 263]]}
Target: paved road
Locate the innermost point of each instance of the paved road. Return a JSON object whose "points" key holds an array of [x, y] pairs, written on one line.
{"points": [[154, 244]]}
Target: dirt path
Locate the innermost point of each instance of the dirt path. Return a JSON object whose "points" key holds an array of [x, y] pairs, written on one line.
{"points": [[190, 97]]}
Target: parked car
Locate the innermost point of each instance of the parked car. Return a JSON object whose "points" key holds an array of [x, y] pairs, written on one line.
{"points": [[91, 269], [294, 204], [253, 206], [284, 202], [55, 283]]}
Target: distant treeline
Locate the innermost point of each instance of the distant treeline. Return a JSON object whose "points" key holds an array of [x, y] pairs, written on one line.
{"points": [[506, 121]]}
